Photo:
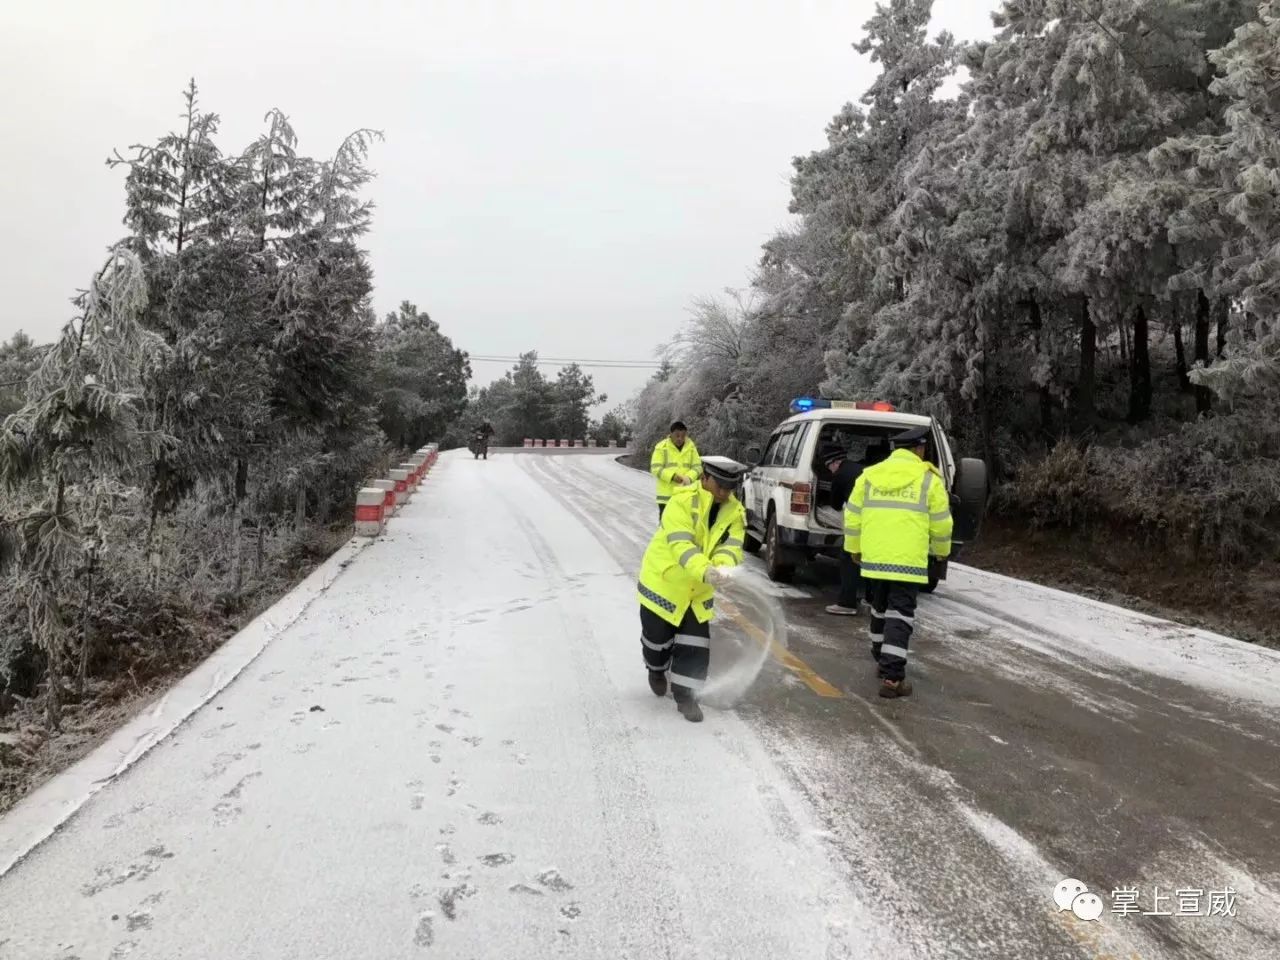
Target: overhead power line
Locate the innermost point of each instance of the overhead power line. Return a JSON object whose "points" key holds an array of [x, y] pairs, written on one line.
{"points": [[565, 361]]}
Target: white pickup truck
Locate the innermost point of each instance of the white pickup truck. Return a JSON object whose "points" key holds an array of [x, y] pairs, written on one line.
{"points": [[787, 492]]}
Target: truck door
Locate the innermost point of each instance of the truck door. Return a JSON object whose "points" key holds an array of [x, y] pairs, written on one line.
{"points": [[757, 484]]}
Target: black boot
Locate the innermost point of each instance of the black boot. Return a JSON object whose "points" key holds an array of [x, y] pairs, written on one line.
{"points": [[690, 710], [658, 683], [893, 689], [686, 704]]}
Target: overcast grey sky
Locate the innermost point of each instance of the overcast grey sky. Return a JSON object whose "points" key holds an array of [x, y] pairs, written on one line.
{"points": [[561, 175]]}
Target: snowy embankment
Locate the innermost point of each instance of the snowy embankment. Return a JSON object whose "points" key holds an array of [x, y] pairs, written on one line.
{"points": [[41, 813]]}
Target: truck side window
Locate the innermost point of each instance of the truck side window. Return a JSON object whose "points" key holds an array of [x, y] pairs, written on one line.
{"points": [[793, 456], [783, 449], [770, 450]]}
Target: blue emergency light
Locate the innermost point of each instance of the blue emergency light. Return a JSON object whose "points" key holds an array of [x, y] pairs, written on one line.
{"points": [[805, 404]]}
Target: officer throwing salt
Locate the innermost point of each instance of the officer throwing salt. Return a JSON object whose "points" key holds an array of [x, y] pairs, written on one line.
{"points": [[897, 518], [698, 540]]}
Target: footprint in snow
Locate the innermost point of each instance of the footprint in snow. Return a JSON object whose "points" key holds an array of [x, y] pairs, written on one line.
{"points": [[221, 762], [423, 932], [571, 911], [489, 819], [107, 877], [496, 859], [449, 899], [474, 741], [444, 728], [138, 921], [526, 889], [446, 854], [552, 880], [416, 801], [216, 731], [435, 758], [454, 786]]}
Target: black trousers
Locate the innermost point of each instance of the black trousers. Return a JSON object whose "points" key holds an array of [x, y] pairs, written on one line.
{"points": [[851, 585], [893, 617], [685, 651]]}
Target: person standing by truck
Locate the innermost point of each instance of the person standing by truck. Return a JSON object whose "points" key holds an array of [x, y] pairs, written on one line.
{"points": [[897, 518], [844, 474], [675, 463]]}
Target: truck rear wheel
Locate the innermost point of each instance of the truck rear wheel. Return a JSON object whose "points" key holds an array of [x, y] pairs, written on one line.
{"points": [[779, 571]]}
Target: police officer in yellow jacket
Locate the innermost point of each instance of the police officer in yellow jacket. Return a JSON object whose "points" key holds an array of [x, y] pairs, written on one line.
{"points": [[675, 463], [898, 516], [700, 536]]}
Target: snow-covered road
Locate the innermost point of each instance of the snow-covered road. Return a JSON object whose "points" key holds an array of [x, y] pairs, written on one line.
{"points": [[453, 752]]}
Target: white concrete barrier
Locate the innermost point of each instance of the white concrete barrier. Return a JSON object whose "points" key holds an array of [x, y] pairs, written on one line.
{"points": [[401, 478], [388, 488], [412, 470], [369, 512]]}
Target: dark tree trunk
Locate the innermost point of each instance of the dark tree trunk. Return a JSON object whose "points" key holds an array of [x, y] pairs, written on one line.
{"points": [[1180, 353], [1046, 397], [237, 520], [1224, 318], [989, 450], [86, 630], [1140, 369], [1088, 367], [1204, 396]]}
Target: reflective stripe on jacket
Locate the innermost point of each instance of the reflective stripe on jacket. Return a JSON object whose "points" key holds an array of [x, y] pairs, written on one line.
{"points": [[683, 548], [667, 463], [898, 516]]}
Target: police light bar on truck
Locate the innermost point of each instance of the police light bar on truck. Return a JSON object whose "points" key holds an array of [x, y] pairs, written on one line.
{"points": [[805, 404]]}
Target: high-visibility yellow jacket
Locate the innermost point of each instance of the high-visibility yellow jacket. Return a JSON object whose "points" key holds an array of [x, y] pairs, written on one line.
{"points": [[668, 462], [684, 547], [897, 517]]}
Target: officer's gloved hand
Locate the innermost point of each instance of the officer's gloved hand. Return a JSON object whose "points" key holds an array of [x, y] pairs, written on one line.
{"points": [[716, 575]]}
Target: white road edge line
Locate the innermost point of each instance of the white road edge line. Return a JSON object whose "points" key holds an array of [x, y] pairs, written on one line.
{"points": [[40, 814]]}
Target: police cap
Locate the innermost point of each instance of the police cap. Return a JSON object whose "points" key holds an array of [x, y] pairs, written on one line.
{"points": [[915, 437], [728, 473]]}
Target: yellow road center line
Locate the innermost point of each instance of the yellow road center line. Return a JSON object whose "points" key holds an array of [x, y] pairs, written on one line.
{"points": [[781, 653]]}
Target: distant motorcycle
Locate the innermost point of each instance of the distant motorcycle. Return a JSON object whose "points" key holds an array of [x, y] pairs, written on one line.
{"points": [[479, 445]]}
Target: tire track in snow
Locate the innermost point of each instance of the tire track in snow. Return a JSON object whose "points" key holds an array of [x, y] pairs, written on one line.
{"points": [[636, 845]]}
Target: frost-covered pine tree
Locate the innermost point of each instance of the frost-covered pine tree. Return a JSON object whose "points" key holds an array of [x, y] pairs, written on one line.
{"points": [[1242, 169], [421, 380], [68, 456]]}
